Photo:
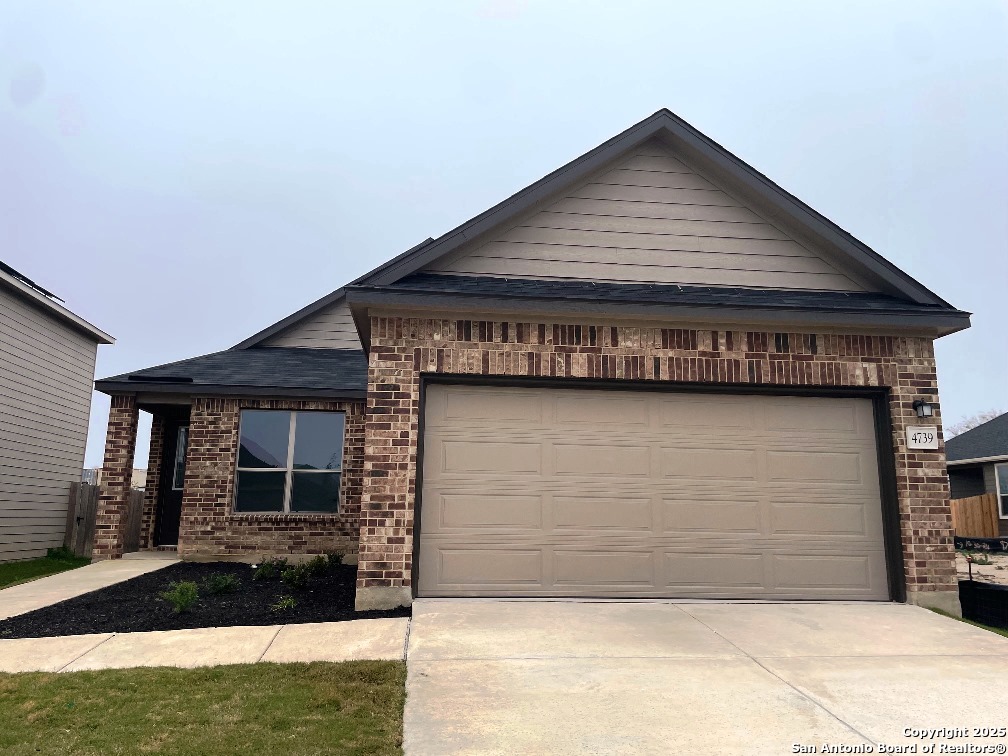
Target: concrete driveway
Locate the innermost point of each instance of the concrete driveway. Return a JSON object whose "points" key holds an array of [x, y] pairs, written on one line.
{"points": [[697, 678]]}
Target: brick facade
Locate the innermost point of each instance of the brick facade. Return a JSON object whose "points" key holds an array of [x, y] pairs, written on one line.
{"points": [[150, 500], [404, 348], [209, 527], [117, 474]]}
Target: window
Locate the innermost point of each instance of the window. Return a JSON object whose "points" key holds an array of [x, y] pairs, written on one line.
{"points": [[289, 461], [181, 445], [1001, 479]]}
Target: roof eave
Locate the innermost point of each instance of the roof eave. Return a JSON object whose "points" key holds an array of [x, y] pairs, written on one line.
{"points": [[55, 310], [976, 460], [112, 387], [362, 299]]}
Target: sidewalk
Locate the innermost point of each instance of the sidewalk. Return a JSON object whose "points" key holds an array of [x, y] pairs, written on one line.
{"points": [[33, 595], [322, 641]]}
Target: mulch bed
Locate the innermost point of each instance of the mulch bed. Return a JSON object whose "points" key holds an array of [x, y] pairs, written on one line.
{"points": [[135, 605]]}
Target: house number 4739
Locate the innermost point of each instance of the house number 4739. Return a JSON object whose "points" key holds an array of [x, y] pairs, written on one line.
{"points": [[922, 437]]}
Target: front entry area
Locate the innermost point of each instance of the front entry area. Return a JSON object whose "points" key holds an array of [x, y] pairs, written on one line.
{"points": [[606, 493], [171, 483]]}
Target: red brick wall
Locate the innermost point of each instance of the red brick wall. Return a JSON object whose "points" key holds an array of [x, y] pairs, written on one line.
{"points": [[210, 527], [404, 348], [117, 473], [153, 481]]}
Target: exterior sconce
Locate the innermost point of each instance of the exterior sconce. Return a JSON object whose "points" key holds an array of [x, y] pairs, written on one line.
{"points": [[923, 408]]}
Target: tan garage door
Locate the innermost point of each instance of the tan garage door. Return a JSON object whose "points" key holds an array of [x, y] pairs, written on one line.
{"points": [[561, 492]]}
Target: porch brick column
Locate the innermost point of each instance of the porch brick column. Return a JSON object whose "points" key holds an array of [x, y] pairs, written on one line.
{"points": [[153, 480], [120, 443]]}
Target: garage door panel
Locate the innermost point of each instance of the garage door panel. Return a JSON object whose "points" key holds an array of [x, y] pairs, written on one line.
{"points": [[590, 568], [610, 513], [830, 520], [601, 459], [613, 411], [603, 493], [482, 512], [712, 515], [815, 466], [836, 572], [685, 463], [727, 571], [489, 566], [490, 457]]}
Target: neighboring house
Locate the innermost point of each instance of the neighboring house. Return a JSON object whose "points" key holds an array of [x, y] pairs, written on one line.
{"points": [[651, 373], [47, 362], [978, 464], [93, 475]]}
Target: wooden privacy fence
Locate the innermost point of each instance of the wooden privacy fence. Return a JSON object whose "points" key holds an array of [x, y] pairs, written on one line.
{"points": [[81, 513], [975, 516]]}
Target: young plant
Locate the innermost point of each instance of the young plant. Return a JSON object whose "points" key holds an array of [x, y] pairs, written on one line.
{"points": [[269, 568], [221, 583], [181, 595], [297, 577], [318, 565], [283, 604]]}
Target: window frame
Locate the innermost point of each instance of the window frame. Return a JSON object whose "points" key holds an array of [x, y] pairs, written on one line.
{"points": [[289, 470], [1001, 495]]}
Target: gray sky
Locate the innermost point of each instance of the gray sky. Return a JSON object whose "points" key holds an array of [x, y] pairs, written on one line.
{"points": [[186, 173]]}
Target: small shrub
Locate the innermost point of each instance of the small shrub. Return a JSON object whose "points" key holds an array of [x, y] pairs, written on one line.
{"points": [[981, 559], [318, 565], [334, 558], [297, 576], [181, 595], [223, 583], [283, 604], [269, 568]]}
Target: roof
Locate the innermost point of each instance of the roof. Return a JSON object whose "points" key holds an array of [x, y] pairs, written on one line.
{"points": [[985, 442], [666, 126], [684, 304], [275, 371], [26, 289]]}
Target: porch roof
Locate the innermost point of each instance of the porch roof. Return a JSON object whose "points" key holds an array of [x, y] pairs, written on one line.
{"points": [[261, 371]]}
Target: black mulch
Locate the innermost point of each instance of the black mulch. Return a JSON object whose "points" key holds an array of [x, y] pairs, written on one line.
{"points": [[135, 605]]}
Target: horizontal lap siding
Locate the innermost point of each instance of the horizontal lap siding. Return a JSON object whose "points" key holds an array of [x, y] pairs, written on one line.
{"points": [[649, 220], [330, 328], [46, 373]]}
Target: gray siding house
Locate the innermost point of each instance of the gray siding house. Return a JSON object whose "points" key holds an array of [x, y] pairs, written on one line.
{"points": [[47, 362], [978, 464]]}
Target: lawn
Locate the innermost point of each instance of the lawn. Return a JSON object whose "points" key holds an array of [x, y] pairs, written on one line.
{"points": [[58, 560], [998, 630], [319, 708]]}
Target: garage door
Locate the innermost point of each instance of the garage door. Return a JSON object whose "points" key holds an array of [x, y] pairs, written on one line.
{"points": [[561, 492]]}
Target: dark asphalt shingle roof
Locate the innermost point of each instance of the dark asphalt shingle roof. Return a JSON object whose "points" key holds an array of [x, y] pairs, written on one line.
{"points": [[987, 440], [332, 370], [663, 294]]}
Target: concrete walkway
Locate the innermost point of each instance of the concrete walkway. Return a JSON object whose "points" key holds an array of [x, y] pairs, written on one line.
{"points": [[695, 678], [323, 641], [36, 594]]}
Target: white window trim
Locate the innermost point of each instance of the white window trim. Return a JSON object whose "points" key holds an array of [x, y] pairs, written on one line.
{"points": [[179, 485], [289, 477], [997, 488]]}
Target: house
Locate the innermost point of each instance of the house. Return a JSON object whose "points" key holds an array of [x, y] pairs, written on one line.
{"points": [[47, 364], [651, 373], [978, 464]]}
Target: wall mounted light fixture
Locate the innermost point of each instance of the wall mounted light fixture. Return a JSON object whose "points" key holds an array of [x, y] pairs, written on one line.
{"points": [[923, 408]]}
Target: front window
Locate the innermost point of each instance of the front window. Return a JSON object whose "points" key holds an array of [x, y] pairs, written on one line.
{"points": [[1001, 478], [289, 461]]}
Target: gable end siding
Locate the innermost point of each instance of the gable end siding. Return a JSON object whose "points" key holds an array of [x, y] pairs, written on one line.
{"points": [[331, 327], [649, 219], [46, 374]]}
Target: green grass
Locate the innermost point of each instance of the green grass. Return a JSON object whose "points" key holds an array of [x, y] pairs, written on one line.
{"points": [[251, 709], [58, 560], [998, 630]]}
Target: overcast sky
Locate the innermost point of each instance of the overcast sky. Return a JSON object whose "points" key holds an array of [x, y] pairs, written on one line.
{"points": [[185, 173]]}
